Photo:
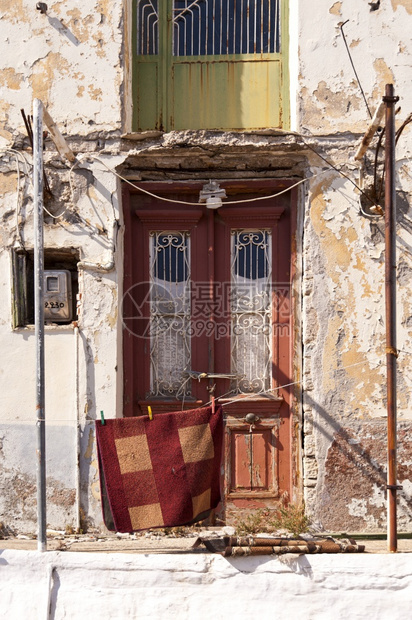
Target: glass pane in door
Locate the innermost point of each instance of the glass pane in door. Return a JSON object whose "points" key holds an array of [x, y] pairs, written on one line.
{"points": [[169, 313], [251, 309]]}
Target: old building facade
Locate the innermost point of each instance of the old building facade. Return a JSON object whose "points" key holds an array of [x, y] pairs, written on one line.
{"points": [[279, 291]]}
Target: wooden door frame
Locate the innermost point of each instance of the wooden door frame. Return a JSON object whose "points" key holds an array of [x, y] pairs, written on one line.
{"points": [[289, 426]]}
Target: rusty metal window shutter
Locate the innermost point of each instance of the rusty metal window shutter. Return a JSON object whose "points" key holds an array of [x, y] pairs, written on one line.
{"points": [[200, 64]]}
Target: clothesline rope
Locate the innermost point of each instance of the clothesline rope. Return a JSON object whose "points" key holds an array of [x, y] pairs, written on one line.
{"points": [[280, 387], [376, 363]]}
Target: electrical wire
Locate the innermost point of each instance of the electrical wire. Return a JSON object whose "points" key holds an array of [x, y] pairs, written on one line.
{"points": [[240, 398], [18, 200], [17, 154], [183, 202], [55, 217], [368, 198], [281, 387], [378, 194], [23, 159], [353, 66], [233, 202], [369, 216], [28, 175], [229, 202]]}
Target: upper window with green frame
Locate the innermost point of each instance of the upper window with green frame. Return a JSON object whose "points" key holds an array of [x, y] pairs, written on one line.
{"points": [[210, 64]]}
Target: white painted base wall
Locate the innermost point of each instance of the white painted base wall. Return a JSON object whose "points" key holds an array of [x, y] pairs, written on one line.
{"points": [[58, 585]]}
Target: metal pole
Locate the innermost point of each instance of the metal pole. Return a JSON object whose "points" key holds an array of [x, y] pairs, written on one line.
{"points": [[78, 428], [390, 302], [39, 321]]}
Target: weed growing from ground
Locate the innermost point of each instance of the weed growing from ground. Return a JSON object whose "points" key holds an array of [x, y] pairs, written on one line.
{"points": [[289, 517]]}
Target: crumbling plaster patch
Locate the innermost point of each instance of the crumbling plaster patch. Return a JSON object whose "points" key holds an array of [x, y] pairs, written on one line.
{"points": [[53, 51], [343, 340], [45, 71], [384, 75], [406, 4], [15, 11], [8, 186], [11, 78], [18, 505], [374, 40], [355, 481], [336, 8]]}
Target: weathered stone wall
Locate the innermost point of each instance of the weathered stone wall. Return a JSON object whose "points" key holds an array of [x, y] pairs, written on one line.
{"points": [[76, 59]]}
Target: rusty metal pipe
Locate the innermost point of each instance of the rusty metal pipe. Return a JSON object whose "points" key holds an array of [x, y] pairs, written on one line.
{"points": [[390, 304]]}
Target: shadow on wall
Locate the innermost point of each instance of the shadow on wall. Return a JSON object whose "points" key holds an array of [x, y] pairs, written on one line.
{"points": [[87, 437], [54, 585], [353, 495]]}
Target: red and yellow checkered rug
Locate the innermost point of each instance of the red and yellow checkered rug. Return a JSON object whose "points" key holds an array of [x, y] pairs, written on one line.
{"points": [[162, 472]]}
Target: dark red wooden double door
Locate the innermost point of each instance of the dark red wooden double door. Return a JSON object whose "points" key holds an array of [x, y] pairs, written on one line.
{"points": [[207, 310]]}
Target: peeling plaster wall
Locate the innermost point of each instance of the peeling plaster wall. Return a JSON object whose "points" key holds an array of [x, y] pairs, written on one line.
{"points": [[343, 330], [89, 229], [330, 100], [77, 60], [70, 58]]}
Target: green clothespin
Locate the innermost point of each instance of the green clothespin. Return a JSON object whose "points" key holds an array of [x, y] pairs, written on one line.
{"points": [[102, 418]]}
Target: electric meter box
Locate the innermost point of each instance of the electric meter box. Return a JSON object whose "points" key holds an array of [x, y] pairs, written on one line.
{"points": [[58, 304]]}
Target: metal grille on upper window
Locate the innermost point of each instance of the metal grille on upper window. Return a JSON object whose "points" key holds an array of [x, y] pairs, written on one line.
{"points": [[147, 27], [221, 27]]}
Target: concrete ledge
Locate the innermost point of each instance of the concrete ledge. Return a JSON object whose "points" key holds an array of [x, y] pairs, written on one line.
{"points": [[95, 585]]}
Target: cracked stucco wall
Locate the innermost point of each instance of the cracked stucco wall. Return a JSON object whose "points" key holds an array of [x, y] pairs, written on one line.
{"points": [[87, 229], [343, 331], [71, 58], [330, 99], [76, 60]]}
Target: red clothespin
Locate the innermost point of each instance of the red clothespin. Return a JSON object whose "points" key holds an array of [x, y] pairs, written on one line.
{"points": [[213, 404]]}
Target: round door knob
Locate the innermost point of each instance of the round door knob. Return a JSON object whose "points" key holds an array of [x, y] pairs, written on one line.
{"points": [[251, 418]]}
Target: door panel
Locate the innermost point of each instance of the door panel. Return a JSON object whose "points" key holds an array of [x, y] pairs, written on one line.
{"points": [[252, 461], [217, 282]]}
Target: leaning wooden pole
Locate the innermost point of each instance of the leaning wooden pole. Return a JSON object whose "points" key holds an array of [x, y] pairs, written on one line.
{"points": [[390, 303], [39, 321]]}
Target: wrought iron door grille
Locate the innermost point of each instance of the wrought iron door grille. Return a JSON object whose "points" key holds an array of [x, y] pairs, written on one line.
{"points": [[222, 27], [251, 310], [170, 352], [147, 27]]}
